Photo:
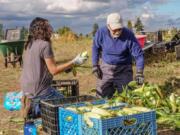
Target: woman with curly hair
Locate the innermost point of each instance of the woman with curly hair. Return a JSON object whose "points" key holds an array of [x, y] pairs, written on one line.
{"points": [[39, 67]]}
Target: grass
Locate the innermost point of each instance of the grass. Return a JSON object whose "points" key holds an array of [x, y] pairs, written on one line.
{"points": [[155, 72]]}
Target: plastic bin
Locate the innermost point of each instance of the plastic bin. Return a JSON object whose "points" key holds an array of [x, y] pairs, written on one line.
{"points": [[49, 112], [141, 39], [145, 124], [67, 87]]}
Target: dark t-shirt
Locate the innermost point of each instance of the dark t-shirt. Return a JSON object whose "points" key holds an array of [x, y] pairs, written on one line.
{"points": [[36, 78]]}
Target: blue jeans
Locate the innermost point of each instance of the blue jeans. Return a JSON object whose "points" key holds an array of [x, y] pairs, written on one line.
{"points": [[35, 109]]}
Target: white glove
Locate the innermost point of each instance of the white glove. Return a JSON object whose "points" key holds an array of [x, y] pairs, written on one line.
{"points": [[79, 59]]}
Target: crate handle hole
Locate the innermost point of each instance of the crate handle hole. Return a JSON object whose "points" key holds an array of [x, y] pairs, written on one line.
{"points": [[130, 122], [69, 118]]}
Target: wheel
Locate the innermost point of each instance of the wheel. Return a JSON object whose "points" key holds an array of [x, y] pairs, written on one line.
{"points": [[14, 64], [20, 61], [6, 62], [12, 59]]}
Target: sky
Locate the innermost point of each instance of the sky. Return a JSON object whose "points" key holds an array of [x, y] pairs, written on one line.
{"points": [[80, 15]]}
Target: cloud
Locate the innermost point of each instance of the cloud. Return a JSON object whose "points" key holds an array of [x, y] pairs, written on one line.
{"points": [[105, 1], [147, 16], [80, 15], [178, 20], [147, 12], [140, 2], [70, 6], [4, 1], [101, 16]]}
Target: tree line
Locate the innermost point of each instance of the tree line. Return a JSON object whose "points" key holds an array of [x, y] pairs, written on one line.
{"points": [[137, 27], [65, 30]]}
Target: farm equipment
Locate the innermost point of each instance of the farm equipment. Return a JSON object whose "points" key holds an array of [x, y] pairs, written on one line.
{"points": [[12, 47], [149, 44], [12, 52], [171, 45], [175, 41], [168, 46], [141, 39], [158, 45]]}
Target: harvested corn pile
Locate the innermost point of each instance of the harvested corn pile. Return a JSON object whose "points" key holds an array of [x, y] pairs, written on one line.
{"points": [[167, 105]]}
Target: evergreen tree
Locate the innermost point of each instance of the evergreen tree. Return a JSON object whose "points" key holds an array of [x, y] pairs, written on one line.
{"points": [[24, 33], [138, 25], [129, 25], [80, 35], [95, 28], [64, 30]]}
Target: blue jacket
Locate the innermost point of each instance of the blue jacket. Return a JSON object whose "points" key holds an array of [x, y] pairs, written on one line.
{"points": [[118, 51]]}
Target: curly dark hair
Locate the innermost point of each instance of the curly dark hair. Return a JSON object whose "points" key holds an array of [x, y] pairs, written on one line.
{"points": [[39, 29]]}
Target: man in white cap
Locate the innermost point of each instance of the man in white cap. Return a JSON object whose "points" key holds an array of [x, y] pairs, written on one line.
{"points": [[116, 45]]}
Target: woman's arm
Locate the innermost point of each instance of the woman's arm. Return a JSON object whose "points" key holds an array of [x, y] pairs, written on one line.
{"points": [[55, 69]]}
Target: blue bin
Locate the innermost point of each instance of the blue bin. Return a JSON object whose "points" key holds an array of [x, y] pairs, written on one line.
{"points": [[74, 124]]}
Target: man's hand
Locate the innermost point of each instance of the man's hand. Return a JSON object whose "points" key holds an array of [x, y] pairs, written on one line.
{"points": [[79, 59], [97, 71], [139, 78]]}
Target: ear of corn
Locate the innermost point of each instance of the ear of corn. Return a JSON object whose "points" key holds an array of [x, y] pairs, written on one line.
{"points": [[172, 100], [140, 90], [178, 101], [71, 109], [132, 84], [89, 115], [84, 54], [147, 93], [100, 111], [159, 93], [129, 111], [88, 121], [85, 108], [92, 115], [121, 113], [140, 109]]}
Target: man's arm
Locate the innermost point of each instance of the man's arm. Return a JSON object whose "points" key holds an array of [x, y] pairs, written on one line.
{"points": [[96, 54], [137, 53], [96, 49]]}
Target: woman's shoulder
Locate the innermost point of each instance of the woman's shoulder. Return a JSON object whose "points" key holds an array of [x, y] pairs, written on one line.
{"points": [[42, 43]]}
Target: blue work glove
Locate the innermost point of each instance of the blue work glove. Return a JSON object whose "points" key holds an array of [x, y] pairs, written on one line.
{"points": [[97, 71], [139, 78]]}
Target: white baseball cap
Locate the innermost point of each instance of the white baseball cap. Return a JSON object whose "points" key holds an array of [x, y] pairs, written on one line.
{"points": [[115, 21]]}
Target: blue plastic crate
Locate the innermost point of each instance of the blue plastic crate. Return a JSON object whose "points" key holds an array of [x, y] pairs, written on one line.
{"points": [[145, 125], [74, 124]]}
